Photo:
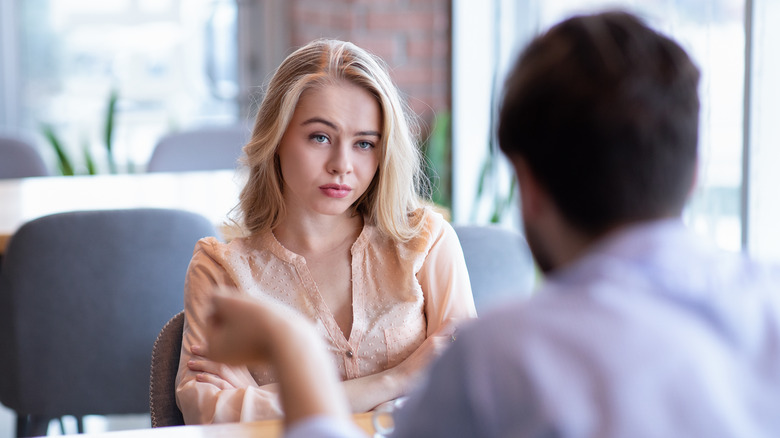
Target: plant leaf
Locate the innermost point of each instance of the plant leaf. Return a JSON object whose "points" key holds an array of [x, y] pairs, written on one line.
{"points": [[63, 162], [484, 176], [89, 160], [109, 129]]}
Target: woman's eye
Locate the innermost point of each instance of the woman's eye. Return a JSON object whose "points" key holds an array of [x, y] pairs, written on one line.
{"points": [[365, 145], [319, 138]]}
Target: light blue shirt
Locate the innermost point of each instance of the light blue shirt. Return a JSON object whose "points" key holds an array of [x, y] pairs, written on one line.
{"points": [[324, 427], [653, 333]]}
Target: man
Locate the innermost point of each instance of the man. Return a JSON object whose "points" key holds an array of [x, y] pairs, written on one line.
{"points": [[640, 328]]}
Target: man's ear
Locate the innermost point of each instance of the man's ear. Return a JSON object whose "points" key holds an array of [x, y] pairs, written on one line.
{"points": [[531, 196]]}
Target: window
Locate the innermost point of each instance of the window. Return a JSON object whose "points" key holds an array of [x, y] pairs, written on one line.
{"points": [[172, 63], [714, 34], [762, 211]]}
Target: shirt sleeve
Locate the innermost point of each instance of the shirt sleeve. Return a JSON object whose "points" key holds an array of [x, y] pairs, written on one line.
{"points": [[324, 427], [442, 406], [479, 387], [204, 403], [444, 279]]}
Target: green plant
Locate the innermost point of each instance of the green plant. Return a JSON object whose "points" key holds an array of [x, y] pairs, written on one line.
{"points": [[438, 160], [108, 131], [65, 163], [497, 186], [492, 188], [495, 191]]}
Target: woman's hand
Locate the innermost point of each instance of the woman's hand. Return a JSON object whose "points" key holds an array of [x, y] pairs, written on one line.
{"points": [[411, 369], [218, 374], [365, 393]]}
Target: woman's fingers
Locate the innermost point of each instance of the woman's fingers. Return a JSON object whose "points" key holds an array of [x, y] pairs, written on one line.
{"points": [[235, 377], [213, 380], [204, 366], [197, 350]]}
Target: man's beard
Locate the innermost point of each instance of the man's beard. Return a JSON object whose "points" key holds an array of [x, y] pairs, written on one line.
{"points": [[538, 249]]}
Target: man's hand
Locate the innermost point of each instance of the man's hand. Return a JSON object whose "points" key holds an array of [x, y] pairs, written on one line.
{"points": [[241, 331]]}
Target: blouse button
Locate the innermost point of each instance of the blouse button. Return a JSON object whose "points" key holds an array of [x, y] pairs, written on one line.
{"points": [[350, 354]]}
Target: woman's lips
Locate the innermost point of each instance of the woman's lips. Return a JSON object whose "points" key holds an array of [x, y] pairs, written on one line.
{"points": [[336, 190]]}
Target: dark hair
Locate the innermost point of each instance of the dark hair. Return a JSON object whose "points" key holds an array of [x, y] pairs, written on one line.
{"points": [[605, 112]]}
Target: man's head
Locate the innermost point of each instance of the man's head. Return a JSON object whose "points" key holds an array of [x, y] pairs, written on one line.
{"points": [[603, 111]]}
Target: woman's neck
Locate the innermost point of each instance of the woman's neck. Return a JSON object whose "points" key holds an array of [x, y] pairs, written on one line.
{"points": [[318, 237]]}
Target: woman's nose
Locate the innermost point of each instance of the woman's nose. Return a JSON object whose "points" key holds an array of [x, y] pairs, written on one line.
{"points": [[340, 161]]}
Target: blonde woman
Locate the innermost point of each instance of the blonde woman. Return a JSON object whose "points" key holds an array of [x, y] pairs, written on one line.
{"points": [[335, 231]]}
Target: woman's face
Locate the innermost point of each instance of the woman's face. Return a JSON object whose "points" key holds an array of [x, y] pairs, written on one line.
{"points": [[329, 153]]}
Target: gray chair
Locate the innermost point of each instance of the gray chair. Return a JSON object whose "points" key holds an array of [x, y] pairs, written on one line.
{"points": [[19, 159], [499, 263], [82, 298], [165, 366], [200, 149]]}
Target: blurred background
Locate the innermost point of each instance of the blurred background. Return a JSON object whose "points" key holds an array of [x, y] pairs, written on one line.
{"points": [[154, 67]]}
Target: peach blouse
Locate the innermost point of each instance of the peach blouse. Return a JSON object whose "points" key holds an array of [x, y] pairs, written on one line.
{"points": [[402, 292]]}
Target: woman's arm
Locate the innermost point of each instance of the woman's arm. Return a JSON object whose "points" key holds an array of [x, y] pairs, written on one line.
{"points": [[444, 280], [208, 391], [204, 402], [366, 393], [243, 331]]}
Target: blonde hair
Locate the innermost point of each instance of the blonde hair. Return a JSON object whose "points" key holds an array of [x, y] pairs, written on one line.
{"points": [[394, 194]]}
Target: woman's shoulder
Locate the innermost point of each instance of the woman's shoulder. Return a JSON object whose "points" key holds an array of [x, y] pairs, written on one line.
{"points": [[207, 243], [217, 249], [210, 245], [435, 220], [431, 225]]}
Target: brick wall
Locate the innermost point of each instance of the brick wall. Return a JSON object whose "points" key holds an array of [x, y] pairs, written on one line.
{"points": [[412, 36]]}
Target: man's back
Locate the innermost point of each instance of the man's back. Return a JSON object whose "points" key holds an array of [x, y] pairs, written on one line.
{"points": [[650, 334]]}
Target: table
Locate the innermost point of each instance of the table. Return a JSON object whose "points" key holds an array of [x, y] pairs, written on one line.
{"points": [[257, 429], [210, 193]]}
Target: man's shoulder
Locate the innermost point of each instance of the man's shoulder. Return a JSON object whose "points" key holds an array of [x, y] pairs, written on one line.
{"points": [[508, 323]]}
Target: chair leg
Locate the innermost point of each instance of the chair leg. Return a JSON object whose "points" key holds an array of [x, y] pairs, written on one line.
{"points": [[31, 425], [21, 426]]}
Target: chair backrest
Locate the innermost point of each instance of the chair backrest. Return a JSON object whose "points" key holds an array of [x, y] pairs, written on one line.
{"points": [[19, 159], [201, 149], [499, 262], [165, 366], [82, 297]]}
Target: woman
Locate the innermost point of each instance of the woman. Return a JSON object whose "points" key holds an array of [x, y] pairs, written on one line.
{"points": [[335, 231]]}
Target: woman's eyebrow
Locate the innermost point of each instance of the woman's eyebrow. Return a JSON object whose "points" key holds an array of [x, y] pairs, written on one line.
{"points": [[333, 126], [319, 120]]}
